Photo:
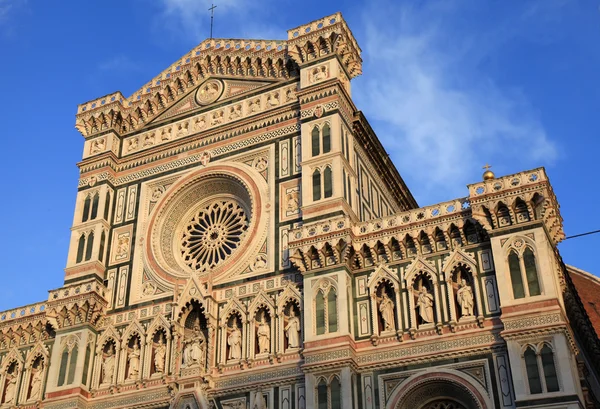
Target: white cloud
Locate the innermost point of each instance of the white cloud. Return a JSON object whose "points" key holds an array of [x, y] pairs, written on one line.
{"points": [[245, 18], [438, 115], [119, 63]]}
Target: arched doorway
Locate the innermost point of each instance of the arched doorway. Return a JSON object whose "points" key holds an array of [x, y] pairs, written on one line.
{"points": [[446, 389]]}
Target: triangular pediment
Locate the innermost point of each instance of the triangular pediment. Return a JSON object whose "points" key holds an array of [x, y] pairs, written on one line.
{"points": [[212, 91]]}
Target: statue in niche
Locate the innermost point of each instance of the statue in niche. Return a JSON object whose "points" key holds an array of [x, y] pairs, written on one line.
{"points": [[273, 99], [234, 340], [386, 309], [108, 365], [36, 381], [149, 139], [465, 298], [235, 112], [259, 401], [292, 330], [200, 124], [134, 361], [11, 388], [263, 334], [195, 347], [98, 146], [293, 201], [160, 353], [290, 95], [182, 129], [254, 106], [425, 305], [217, 118], [132, 144]]}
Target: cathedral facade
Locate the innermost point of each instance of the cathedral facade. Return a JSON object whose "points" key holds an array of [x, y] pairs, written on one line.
{"points": [[241, 240]]}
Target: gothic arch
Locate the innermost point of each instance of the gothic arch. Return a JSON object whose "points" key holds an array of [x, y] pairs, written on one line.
{"points": [[262, 299], [459, 257], [382, 274], [132, 329], [420, 265], [423, 389], [109, 334]]}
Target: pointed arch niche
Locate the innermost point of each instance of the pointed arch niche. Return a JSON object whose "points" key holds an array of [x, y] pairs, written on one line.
{"points": [[384, 289], [462, 278], [261, 313], [288, 302], [157, 346], [423, 297], [233, 331]]}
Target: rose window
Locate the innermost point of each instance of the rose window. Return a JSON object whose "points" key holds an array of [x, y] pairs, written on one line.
{"points": [[213, 234]]}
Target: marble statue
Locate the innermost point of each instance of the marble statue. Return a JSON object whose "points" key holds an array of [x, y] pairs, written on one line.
{"points": [[465, 298], [292, 330], [134, 362], [234, 340], [160, 353], [108, 365], [425, 305], [11, 389], [259, 401], [263, 334], [386, 308], [194, 349], [36, 382]]}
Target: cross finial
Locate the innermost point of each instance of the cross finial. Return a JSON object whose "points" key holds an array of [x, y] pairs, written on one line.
{"points": [[487, 167], [212, 15]]}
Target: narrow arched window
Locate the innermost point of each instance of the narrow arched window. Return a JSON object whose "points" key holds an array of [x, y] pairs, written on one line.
{"points": [[349, 191], [336, 393], [102, 243], [326, 138], [531, 272], [64, 361], [315, 141], [86, 209], [320, 313], [86, 364], [72, 365], [80, 249], [327, 176], [533, 373], [107, 206], [89, 246], [316, 185], [345, 187], [322, 395], [332, 311], [342, 135], [95, 206], [549, 369], [515, 275]]}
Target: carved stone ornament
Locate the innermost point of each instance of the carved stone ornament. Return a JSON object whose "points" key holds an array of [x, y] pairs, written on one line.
{"points": [[319, 111], [209, 92], [157, 192], [260, 163]]}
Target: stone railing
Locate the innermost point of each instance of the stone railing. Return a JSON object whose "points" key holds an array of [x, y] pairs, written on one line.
{"points": [[508, 182], [21, 312], [90, 286]]}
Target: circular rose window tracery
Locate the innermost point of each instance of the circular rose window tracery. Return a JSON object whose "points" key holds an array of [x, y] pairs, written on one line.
{"points": [[214, 233]]}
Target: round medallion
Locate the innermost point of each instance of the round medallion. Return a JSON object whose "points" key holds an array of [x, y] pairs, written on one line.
{"points": [[213, 234], [209, 92]]}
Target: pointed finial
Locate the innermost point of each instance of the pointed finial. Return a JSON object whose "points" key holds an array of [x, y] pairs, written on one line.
{"points": [[488, 174]]}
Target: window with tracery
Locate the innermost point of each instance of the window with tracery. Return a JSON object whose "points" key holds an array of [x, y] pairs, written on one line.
{"points": [[541, 369], [90, 207], [322, 183], [320, 140], [326, 310], [214, 233], [85, 246], [68, 365], [329, 393], [523, 270]]}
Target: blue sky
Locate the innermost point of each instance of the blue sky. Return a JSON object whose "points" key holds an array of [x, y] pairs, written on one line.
{"points": [[447, 85]]}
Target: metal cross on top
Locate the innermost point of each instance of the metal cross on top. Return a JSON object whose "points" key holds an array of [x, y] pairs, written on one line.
{"points": [[212, 15], [487, 167]]}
